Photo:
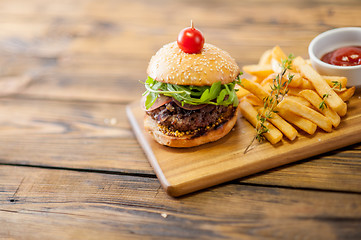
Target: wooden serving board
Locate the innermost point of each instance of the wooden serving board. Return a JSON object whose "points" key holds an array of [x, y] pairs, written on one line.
{"points": [[182, 171]]}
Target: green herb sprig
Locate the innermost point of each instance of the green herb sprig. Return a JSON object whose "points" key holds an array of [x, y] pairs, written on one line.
{"points": [[217, 94], [323, 105], [279, 90]]}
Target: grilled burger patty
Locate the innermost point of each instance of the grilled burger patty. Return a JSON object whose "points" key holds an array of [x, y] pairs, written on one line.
{"points": [[176, 118]]}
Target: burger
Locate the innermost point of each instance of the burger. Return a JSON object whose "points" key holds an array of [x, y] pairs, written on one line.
{"points": [[190, 98]]}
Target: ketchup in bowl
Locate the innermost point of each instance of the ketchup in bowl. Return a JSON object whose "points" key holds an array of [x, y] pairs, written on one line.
{"points": [[344, 56]]}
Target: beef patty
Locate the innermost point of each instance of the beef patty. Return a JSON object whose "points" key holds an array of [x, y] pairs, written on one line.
{"points": [[176, 118]]}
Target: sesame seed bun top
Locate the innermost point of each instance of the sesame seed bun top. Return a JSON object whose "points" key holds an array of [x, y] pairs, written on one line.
{"points": [[171, 65]]}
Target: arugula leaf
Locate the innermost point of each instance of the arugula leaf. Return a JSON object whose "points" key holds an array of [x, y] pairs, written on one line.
{"points": [[149, 101], [195, 95], [205, 95], [221, 96], [215, 90]]}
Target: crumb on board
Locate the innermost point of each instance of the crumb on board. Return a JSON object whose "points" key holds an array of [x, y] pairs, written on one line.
{"points": [[110, 121]]}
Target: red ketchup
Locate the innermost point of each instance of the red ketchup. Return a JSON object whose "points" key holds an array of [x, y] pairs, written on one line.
{"points": [[345, 56]]}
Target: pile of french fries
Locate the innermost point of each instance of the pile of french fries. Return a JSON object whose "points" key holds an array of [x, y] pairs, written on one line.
{"points": [[300, 108]]}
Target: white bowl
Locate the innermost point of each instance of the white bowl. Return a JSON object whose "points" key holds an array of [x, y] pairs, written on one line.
{"points": [[329, 41]]}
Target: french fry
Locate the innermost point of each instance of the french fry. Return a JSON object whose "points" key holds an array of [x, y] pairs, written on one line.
{"points": [[267, 83], [268, 80], [276, 66], [252, 99], [331, 79], [308, 62], [347, 94], [254, 88], [321, 86], [282, 125], [265, 58], [307, 113], [343, 111], [257, 79], [300, 100], [278, 54], [316, 101], [338, 90], [305, 84], [294, 91], [300, 106], [297, 79], [241, 92], [260, 71], [300, 122], [250, 113]]}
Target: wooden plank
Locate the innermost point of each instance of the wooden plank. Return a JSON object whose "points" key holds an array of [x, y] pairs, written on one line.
{"points": [[102, 73], [97, 136], [89, 81], [107, 44], [73, 48], [182, 171], [338, 170], [67, 134], [60, 204]]}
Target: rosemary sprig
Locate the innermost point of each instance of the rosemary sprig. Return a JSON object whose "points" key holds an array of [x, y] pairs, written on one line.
{"points": [[279, 90], [323, 105], [336, 84]]}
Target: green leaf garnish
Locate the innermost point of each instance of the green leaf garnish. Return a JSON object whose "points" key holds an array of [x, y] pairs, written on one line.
{"points": [[195, 95]]}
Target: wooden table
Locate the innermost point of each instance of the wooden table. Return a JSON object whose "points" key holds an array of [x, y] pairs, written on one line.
{"points": [[70, 166]]}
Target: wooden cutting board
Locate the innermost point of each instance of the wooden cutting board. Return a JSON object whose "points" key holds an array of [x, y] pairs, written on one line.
{"points": [[182, 171]]}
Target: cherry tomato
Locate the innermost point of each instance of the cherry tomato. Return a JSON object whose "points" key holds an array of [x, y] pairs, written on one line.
{"points": [[190, 40]]}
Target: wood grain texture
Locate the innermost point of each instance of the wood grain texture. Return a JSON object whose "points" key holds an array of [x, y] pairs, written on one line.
{"points": [[103, 41], [98, 136], [182, 171], [84, 60], [60, 204], [337, 170], [68, 134]]}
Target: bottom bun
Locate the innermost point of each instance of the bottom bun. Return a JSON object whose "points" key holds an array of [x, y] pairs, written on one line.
{"points": [[151, 126]]}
